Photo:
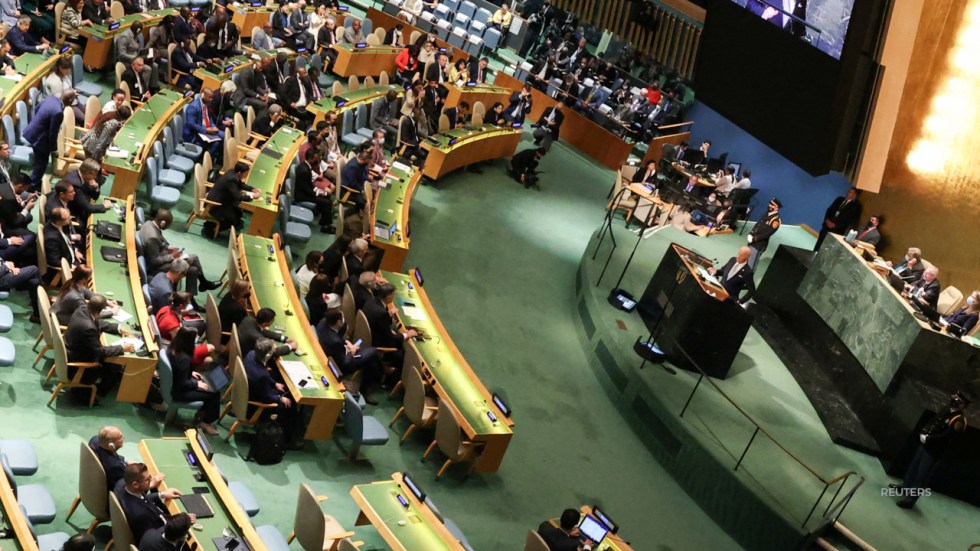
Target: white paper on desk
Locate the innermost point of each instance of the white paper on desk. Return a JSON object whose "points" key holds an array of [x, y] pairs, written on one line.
{"points": [[414, 312], [122, 316], [209, 138], [137, 343], [297, 371], [118, 153], [16, 77], [399, 166]]}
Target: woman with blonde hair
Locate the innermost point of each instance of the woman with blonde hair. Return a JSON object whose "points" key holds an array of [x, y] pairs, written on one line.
{"points": [[965, 318]]}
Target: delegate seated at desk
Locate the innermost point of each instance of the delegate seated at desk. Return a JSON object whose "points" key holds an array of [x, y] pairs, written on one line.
{"points": [[262, 388], [106, 445], [354, 174], [252, 329], [736, 275], [229, 191], [145, 510], [911, 268], [966, 317], [171, 536], [350, 357], [566, 536], [926, 290]]}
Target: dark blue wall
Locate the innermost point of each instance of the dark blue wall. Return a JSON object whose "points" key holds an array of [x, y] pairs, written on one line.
{"points": [[804, 197]]}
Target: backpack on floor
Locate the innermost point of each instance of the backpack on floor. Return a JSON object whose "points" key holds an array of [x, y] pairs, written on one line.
{"points": [[269, 445]]}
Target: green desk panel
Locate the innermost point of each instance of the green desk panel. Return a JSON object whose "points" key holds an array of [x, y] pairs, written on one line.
{"points": [[416, 534], [389, 207], [112, 278], [468, 134], [138, 126], [25, 63], [443, 363], [240, 62], [168, 456], [353, 98], [265, 170], [270, 290]]}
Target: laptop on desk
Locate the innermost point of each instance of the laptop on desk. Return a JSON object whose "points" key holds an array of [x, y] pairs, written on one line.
{"points": [[217, 379], [592, 529]]}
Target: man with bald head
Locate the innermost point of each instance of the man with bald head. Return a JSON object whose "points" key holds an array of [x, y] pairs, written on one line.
{"points": [[106, 446], [736, 276], [42, 132]]}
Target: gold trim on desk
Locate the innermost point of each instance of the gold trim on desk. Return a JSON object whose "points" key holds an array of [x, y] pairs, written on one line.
{"points": [[127, 178], [15, 517]]}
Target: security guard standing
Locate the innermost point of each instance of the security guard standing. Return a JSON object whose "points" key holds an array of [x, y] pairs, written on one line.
{"points": [[763, 230], [935, 438]]}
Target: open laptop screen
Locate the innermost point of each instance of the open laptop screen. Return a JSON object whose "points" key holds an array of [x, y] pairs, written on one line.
{"points": [[593, 529]]}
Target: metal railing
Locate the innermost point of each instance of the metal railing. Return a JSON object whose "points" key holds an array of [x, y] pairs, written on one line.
{"points": [[839, 481]]}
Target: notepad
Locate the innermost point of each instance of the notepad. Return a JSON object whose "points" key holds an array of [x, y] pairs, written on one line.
{"points": [[137, 343], [414, 312], [297, 371], [122, 316]]}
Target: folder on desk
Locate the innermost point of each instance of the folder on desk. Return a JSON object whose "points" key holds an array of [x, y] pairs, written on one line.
{"points": [[197, 504], [113, 254]]}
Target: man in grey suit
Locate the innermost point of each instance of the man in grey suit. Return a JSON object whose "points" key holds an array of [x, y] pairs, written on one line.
{"points": [[299, 22], [871, 234], [353, 34], [253, 90], [160, 256], [130, 45], [83, 338]]}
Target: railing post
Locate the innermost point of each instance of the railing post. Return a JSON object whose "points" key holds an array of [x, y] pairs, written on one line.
{"points": [[746, 450], [814, 508], [837, 493], [695, 389]]}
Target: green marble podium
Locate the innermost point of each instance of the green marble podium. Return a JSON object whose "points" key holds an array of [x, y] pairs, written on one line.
{"points": [[869, 316]]}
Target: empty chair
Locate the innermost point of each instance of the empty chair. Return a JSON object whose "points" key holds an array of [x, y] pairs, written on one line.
{"points": [[474, 45], [20, 155], [461, 21], [451, 5], [272, 538], [46, 542], [483, 15], [20, 455], [364, 430], [35, 499], [449, 438], [185, 149], [443, 28], [457, 38], [167, 176], [164, 196], [315, 530], [477, 27], [949, 300], [93, 491], [293, 231], [491, 39], [78, 81], [244, 497], [467, 8], [175, 161], [349, 125], [420, 409]]}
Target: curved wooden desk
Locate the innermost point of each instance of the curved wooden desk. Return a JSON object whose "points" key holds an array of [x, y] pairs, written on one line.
{"points": [[118, 282], [136, 137], [463, 146], [272, 287], [486, 93], [100, 38], [366, 61], [391, 205], [450, 375], [350, 101], [270, 170], [212, 77], [169, 456], [32, 68]]}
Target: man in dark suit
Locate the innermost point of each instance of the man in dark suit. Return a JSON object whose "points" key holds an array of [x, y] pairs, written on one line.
{"points": [[524, 164], [145, 510], [841, 216], [408, 129], [926, 290], [96, 12], [549, 126], [106, 446], [225, 31], [385, 116], [163, 285], [42, 132], [457, 115], [83, 338], [350, 358], [21, 41], [25, 278], [736, 275], [186, 61], [362, 283], [296, 95], [379, 317], [88, 189], [307, 192], [199, 122], [160, 255], [566, 536], [256, 327], [20, 250], [478, 70], [135, 78], [911, 268], [253, 89], [171, 536], [182, 25], [59, 244], [520, 104], [15, 210], [267, 124], [437, 70], [229, 191], [870, 233]]}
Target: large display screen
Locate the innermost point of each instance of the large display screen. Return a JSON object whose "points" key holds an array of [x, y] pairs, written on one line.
{"points": [[821, 23]]}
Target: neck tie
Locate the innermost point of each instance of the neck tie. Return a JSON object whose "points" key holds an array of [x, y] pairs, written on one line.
{"points": [[204, 112]]}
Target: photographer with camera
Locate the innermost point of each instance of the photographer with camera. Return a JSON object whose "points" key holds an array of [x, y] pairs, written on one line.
{"points": [[524, 164]]}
